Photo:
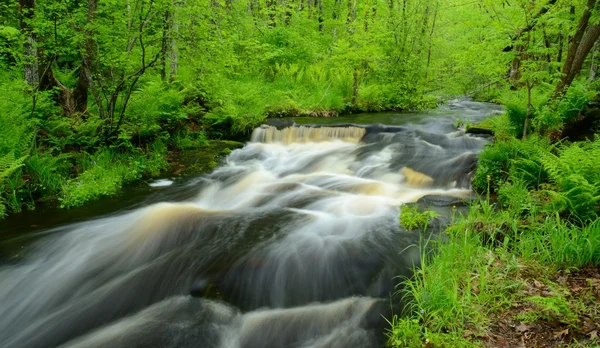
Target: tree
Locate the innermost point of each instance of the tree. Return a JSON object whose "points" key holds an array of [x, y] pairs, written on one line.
{"points": [[580, 46]]}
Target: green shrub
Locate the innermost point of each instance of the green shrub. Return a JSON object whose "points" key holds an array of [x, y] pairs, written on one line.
{"points": [[47, 173], [514, 158], [553, 116], [515, 103], [494, 165], [106, 172], [411, 218], [576, 171]]}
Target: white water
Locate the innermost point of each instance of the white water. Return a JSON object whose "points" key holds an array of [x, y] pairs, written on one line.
{"points": [[297, 244]]}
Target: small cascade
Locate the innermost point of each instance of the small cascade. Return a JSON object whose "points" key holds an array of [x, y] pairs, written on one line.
{"points": [[293, 242], [303, 134]]}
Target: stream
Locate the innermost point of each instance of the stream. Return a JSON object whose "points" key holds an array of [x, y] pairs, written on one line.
{"points": [[293, 241]]}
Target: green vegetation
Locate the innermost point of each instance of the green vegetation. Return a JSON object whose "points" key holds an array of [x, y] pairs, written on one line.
{"points": [[517, 262], [411, 218], [96, 94], [96, 79], [521, 267]]}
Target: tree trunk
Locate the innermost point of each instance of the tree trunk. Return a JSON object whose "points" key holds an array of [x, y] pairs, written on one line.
{"points": [[529, 106], [163, 47], [80, 94], [271, 4], [30, 52], [355, 87], [594, 65], [320, 19], [351, 11], [560, 48], [430, 41], [578, 49], [174, 49]]}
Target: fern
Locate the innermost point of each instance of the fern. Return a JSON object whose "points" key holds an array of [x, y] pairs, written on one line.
{"points": [[9, 164], [575, 170]]}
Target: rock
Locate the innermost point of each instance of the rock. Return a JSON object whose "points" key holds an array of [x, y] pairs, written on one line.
{"points": [[198, 287], [443, 201], [478, 130], [416, 179]]}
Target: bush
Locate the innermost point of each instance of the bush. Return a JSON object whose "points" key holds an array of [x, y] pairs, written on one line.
{"points": [[494, 164], [411, 218], [576, 172], [516, 107], [553, 116], [106, 172]]}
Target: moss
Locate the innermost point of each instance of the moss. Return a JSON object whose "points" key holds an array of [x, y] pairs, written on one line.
{"points": [[201, 160]]}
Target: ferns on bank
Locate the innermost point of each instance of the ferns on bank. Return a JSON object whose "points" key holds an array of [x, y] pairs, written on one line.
{"points": [[8, 165], [568, 173], [575, 170]]}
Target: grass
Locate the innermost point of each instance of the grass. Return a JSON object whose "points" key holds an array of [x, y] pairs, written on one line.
{"points": [[521, 269], [456, 294]]}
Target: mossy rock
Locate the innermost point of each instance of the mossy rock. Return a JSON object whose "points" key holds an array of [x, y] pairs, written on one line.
{"points": [[203, 159], [479, 129]]}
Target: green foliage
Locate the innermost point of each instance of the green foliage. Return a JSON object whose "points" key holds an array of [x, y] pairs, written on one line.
{"points": [[458, 285], [106, 172], [553, 116], [553, 308], [562, 244], [516, 107], [8, 165], [411, 218], [494, 164], [576, 172], [9, 45], [405, 332]]}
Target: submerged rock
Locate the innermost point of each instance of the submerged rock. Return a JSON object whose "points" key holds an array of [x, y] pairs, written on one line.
{"points": [[443, 201], [479, 130]]}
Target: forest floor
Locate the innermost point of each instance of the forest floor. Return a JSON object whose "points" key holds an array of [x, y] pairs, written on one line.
{"points": [[546, 327]]}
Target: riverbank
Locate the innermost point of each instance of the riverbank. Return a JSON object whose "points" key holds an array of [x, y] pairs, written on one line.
{"points": [[106, 172], [522, 271]]}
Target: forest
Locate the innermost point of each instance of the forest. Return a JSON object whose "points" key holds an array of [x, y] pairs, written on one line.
{"points": [[96, 94]]}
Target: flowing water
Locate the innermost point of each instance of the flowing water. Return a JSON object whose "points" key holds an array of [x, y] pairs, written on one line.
{"points": [[294, 241]]}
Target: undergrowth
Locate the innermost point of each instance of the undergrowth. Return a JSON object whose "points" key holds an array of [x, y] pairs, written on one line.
{"points": [[500, 260]]}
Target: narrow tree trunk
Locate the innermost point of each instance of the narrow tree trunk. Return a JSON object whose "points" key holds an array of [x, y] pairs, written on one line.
{"points": [[80, 94], [351, 11], [163, 47], [321, 16], [560, 48], [529, 106], [515, 68], [336, 15], [430, 41], [30, 53], [374, 10], [289, 11], [355, 87], [594, 65], [271, 4], [174, 49]]}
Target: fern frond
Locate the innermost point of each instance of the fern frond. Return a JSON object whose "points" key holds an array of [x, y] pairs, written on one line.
{"points": [[9, 164]]}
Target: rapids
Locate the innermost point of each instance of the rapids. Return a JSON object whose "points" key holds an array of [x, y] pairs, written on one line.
{"points": [[294, 241]]}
